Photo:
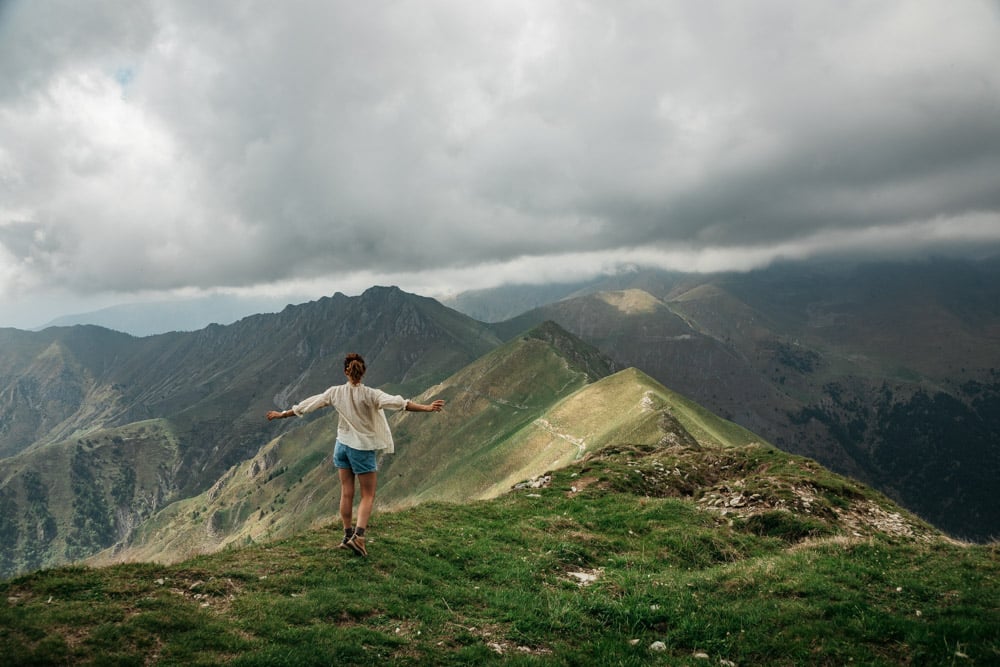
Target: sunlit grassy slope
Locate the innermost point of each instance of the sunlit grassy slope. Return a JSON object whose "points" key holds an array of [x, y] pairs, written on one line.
{"points": [[626, 407]]}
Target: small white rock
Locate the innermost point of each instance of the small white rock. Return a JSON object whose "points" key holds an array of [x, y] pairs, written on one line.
{"points": [[658, 647], [700, 656]]}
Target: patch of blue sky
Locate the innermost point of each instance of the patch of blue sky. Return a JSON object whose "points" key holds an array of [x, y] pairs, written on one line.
{"points": [[124, 76]]}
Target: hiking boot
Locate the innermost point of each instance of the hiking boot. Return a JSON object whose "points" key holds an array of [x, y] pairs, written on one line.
{"points": [[357, 543], [347, 538]]}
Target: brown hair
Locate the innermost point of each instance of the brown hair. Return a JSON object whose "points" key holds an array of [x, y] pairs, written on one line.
{"points": [[354, 366]]}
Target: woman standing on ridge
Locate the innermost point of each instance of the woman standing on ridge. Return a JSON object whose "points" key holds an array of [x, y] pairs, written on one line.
{"points": [[362, 431]]}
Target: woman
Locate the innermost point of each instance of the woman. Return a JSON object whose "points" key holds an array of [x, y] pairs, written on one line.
{"points": [[361, 432]]}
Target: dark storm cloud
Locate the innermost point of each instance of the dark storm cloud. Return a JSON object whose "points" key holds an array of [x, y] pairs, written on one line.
{"points": [[189, 145]]}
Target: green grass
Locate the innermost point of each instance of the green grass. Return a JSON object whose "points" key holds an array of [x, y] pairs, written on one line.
{"points": [[499, 582]]}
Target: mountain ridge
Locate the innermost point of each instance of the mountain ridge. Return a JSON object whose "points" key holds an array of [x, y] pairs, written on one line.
{"points": [[850, 366]]}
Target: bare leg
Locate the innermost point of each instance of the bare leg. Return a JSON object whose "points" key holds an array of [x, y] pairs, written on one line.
{"points": [[368, 481], [346, 495]]}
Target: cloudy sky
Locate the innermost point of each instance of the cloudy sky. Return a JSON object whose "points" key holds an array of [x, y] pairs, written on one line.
{"points": [[299, 148]]}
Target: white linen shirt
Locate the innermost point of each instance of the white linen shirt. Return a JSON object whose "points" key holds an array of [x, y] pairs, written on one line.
{"points": [[362, 424]]}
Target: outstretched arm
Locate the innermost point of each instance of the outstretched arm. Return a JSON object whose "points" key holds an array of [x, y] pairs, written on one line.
{"points": [[412, 406], [312, 403]]}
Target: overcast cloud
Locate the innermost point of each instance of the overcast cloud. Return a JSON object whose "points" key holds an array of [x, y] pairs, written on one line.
{"points": [[308, 147]]}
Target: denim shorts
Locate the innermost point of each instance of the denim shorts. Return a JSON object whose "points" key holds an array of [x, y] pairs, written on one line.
{"points": [[358, 461]]}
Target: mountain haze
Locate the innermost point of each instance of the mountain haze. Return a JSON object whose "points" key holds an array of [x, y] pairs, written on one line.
{"points": [[151, 318]]}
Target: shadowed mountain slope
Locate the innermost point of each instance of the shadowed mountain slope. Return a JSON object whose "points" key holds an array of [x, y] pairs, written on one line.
{"points": [[70, 499]]}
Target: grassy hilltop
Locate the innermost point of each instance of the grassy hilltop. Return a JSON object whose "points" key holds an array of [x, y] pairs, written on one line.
{"points": [[724, 555]]}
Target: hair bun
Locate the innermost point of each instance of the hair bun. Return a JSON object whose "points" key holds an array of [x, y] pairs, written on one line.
{"points": [[354, 366]]}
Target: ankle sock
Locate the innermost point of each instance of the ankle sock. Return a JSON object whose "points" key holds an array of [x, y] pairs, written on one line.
{"points": [[360, 532]]}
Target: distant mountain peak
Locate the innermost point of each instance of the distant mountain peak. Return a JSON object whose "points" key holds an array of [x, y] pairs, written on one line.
{"points": [[382, 290], [584, 356], [631, 301]]}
